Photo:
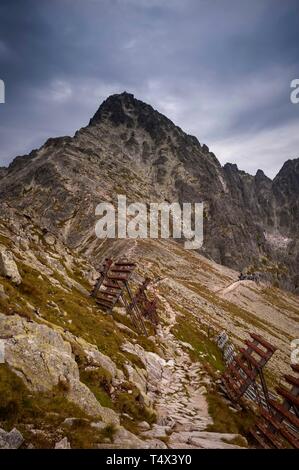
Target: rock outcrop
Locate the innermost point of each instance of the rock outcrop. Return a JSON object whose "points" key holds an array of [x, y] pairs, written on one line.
{"points": [[43, 359]]}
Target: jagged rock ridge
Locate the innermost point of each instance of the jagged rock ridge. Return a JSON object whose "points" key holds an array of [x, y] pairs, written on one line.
{"points": [[129, 148]]}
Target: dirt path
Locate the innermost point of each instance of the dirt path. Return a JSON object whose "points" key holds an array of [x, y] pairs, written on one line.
{"points": [[180, 401], [235, 285]]}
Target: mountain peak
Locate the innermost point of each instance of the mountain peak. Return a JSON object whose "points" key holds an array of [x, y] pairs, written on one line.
{"points": [[123, 98], [291, 165], [287, 180], [260, 176], [113, 107], [125, 109]]}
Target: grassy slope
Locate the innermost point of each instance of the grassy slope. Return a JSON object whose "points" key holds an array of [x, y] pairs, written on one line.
{"points": [[188, 282]]}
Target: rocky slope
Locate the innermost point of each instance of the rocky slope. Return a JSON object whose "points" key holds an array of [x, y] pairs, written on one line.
{"points": [[74, 376], [129, 148]]}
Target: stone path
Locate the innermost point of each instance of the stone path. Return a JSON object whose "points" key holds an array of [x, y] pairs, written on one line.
{"points": [[179, 399]]}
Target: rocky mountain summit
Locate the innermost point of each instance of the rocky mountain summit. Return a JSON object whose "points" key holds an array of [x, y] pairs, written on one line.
{"points": [[72, 375], [251, 222]]}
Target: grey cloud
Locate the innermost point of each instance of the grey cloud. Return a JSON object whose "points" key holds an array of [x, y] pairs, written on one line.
{"points": [[221, 70]]}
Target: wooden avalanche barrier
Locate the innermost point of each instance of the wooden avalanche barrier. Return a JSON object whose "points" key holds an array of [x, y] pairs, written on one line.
{"points": [[245, 367], [278, 423], [113, 286], [278, 427]]}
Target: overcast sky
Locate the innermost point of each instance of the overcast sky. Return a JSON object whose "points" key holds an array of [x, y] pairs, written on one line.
{"points": [[220, 69]]}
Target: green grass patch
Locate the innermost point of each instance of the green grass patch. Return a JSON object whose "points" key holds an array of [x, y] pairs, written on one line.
{"points": [[187, 330], [227, 421], [98, 381], [45, 412], [129, 401]]}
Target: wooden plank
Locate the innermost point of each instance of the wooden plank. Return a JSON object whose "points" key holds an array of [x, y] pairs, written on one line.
{"points": [[264, 354], [276, 442], [280, 428], [112, 291], [107, 297], [293, 440], [271, 419], [250, 359], [292, 380], [111, 285], [104, 303], [250, 373], [231, 386], [259, 439], [118, 277], [263, 342], [124, 263], [291, 417], [121, 269], [236, 372], [288, 395]]}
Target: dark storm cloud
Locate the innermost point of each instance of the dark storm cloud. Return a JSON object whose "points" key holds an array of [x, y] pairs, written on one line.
{"points": [[221, 69]]}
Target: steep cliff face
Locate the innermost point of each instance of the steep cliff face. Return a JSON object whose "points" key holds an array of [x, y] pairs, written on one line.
{"points": [[286, 193], [273, 208], [286, 196], [129, 148]]}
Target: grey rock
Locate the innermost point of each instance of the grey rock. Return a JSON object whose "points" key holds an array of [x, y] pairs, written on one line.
{"points": [[63, 444], [43, 359], [124, 437], [154, 444], [98, 425], [157, 431], [144, 426], [10, 440], [73, 421], [3, 294], [8, 267]]}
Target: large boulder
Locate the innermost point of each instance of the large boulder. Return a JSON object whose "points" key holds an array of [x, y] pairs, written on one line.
{"points": [[8, 267], [139, 378], [43, 359], [63, 444], [10, 440], [94, 357], [153, 363]]}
